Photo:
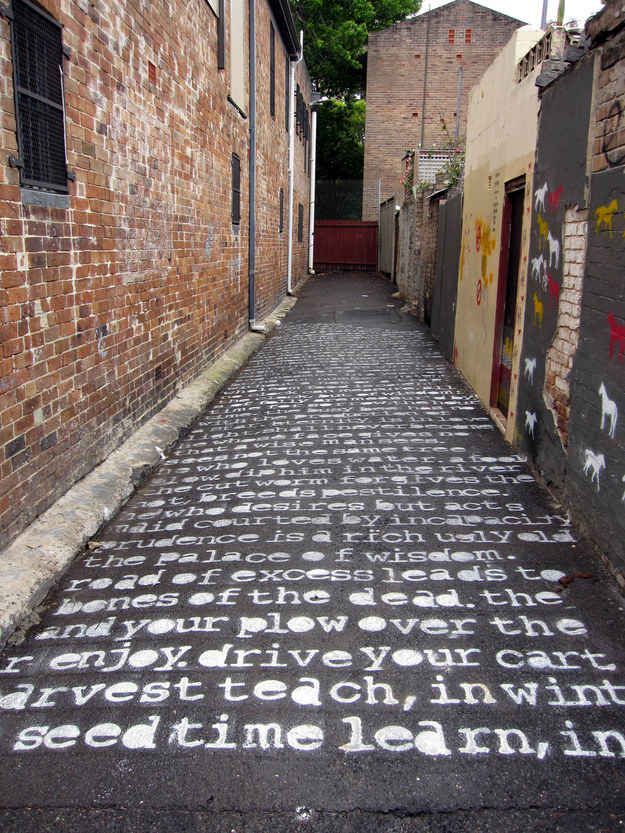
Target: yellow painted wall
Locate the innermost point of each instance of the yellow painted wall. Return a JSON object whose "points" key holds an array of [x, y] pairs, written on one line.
{"points": [[501, 143]]}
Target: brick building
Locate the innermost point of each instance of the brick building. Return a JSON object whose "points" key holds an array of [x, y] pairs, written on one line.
{"points": [[419, 73], [124, 216]]}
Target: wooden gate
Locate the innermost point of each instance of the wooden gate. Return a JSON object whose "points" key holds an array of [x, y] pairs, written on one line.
{"points": [[446, 277], [345, 244]]}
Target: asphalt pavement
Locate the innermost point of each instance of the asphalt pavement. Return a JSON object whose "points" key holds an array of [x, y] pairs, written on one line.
{"points": [[341, 604]]}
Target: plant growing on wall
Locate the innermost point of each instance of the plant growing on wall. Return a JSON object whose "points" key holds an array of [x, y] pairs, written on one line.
{"points": [[453, 169]]}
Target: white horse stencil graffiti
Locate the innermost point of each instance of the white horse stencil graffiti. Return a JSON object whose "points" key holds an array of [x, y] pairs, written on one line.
{"points": [[594, 465], [554, 250], [530, 422], [539, 269], [608, 410], [539, 197], [530, 367]]}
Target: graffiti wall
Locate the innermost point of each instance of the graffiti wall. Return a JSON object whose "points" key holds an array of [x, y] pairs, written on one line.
{"points": [[501, 142], [596, 459], [555, 272], [572, 390]]}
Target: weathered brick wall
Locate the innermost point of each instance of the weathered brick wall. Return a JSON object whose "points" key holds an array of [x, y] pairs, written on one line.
{"points": [[608, 126], [408, 274], [395, 86], [113, 300], [429, 233], [416, 260], [559, 358]]}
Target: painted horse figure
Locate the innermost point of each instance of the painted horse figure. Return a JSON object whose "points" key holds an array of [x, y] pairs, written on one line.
{"points": [[530, 367], [604, 215], [539, 197], [530, 422], [609, 410], [593, 465], [617, 334], [554, 250]]}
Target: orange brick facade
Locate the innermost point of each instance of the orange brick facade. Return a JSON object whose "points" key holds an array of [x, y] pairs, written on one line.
{"points": [[123, 291], [408, 101]]}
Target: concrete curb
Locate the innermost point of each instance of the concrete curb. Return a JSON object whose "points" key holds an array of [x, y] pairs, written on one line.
{"points": [[35, 561]]}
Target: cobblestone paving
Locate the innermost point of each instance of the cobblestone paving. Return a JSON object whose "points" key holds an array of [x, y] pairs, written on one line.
{"points": [[342, 601]]}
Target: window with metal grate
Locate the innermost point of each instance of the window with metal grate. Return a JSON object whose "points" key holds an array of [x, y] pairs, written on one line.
{"points": [[272, 71], [236, 190], [300, 223], [281, 220], [221, 35], [38, 79], [287, 91]]}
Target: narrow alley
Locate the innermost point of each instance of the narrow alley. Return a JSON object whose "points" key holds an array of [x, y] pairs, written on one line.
{"points": [[342, 603]]}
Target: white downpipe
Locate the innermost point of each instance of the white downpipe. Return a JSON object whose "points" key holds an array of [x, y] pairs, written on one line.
{"points": [[311, 207], [291, 172]]}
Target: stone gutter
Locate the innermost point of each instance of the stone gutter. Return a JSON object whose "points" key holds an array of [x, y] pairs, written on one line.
{"points": [[35, 561]]}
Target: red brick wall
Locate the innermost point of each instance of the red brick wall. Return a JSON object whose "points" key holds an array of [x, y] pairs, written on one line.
{"points": [[272, 169], [395, 75], [109, 304]]}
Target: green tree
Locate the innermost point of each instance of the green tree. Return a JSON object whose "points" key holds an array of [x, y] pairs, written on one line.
{"points": [[335, 38], [340, 139]]}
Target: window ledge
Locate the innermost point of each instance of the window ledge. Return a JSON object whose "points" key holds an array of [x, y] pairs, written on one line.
{"points": [[237, 107], [46, 199]]}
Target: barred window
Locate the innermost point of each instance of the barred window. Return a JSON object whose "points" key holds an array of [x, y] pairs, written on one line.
{"points": [[281, 219], [236, 190], [300, 223], [272, 71], [221, 34], [287, 91], [38, 79]]}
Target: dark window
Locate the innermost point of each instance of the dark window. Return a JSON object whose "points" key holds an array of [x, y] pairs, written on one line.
{"points": [[236, 189], [221, 36], [302, 119], [287, 90], [38, 79], [272, 71], [452, 36], [468, 35], [281, 221], [300, 223]]}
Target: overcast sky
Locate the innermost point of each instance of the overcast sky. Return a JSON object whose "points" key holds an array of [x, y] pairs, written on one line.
{"points": [[531, 10]]}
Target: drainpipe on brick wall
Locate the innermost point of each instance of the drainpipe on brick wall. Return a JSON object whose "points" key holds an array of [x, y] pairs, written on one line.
{"points": [[289, 258], [425, 82], [251, 257], [313, 167]]}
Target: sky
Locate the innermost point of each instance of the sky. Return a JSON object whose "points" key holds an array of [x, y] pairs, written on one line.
{"points": [[531, 10]]}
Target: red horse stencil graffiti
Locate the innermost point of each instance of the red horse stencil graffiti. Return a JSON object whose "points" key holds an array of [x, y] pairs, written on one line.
{"points": [[617, 335], [554, 198]]}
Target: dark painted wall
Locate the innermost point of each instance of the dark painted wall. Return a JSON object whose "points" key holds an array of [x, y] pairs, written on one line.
{"points": [[559, 181], [584, 461], [600, 363]]}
